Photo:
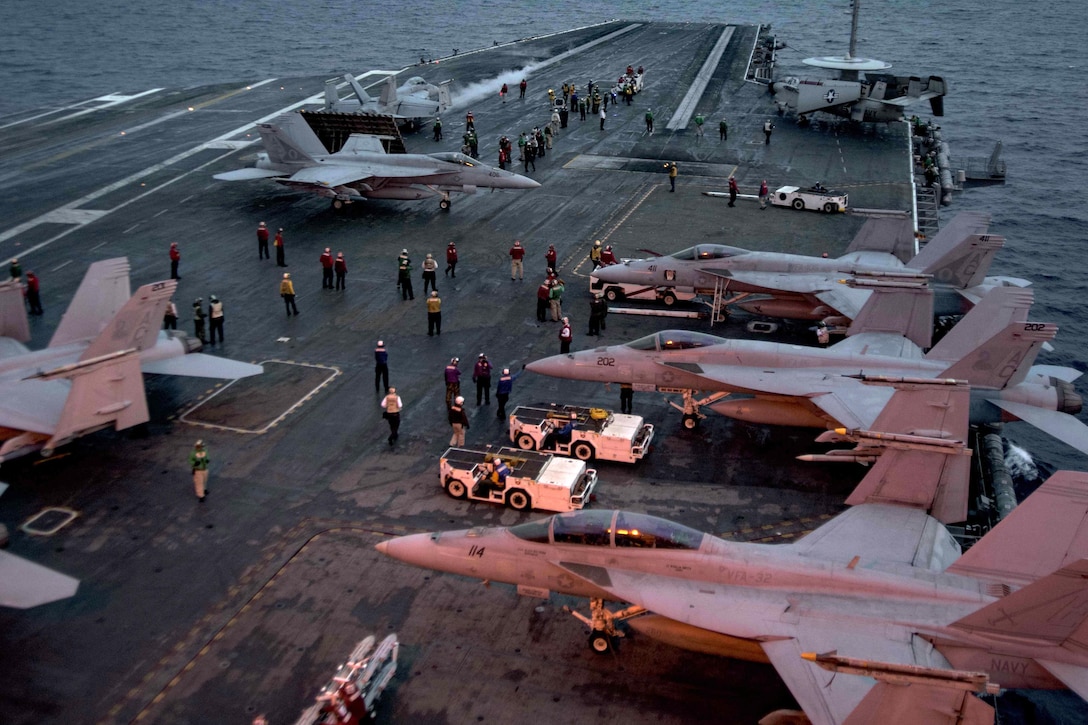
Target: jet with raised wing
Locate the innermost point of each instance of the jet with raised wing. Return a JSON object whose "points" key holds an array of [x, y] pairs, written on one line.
{"points": [[808, 288], [90, 375], [295, 157], [414, 102], [879, 590], [993, 348]]}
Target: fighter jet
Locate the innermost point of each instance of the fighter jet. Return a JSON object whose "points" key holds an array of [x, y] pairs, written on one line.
{"points": [[993, 348], [363, 170], [89, 377], [413, 103], [879, 589], [808, 288]]}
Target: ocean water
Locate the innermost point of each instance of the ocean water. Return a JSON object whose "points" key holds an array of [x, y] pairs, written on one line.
{"points": [[1017, 73]]}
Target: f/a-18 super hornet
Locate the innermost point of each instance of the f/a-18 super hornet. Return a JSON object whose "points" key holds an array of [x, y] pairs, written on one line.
{"points": [[809, 288], [414, 102], [993, 348], [90, 375], [294, 156], [880, 590], [878, 97]]}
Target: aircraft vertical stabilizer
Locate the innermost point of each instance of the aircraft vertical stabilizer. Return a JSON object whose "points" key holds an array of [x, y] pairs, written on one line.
{"points": [[13, 319], [1046, 532], [104, 291], [1004, 359], [444, 99], [986, 319], [289, 140], [363, 96], [389, 92], [106, 392], [136, 326]]}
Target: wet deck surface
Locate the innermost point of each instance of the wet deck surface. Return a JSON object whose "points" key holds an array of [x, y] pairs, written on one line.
{"points": [[215, 612]]}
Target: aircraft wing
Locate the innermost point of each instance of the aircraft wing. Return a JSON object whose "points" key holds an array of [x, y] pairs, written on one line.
{"points": [[199, 365], [33, 405], [845, 300], [881, 532], [10, 347], [247, 174], [1064, 427], [832, 698], [24, 584], [848, 401], [333, 175]]}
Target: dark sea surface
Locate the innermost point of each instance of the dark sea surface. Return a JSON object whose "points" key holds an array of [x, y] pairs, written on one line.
{"points": [[1018, 72]]}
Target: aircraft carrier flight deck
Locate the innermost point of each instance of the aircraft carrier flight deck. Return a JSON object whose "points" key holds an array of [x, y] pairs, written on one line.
{"points": [[244, 604]]}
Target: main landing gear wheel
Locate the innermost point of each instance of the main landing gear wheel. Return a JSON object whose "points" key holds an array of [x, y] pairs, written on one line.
{"points": [[668, 299], [526, 442], [518, 500], [799, 204], [456, 488], [600, 642], [337, 203], [582, 451], [691, 422], [444, 205]]}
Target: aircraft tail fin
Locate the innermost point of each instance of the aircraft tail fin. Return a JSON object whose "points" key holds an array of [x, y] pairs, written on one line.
{"points": [[1052, 610], [445, 101], [939, 88], [1046, 533], [362, 95], [289, 140], [1003, 360], [920, 438], [101, 295], [332, 96], [361, 143], [13, 319], [106, 391], [136, 325], [990, 316], [389, 91], [902, 305]]}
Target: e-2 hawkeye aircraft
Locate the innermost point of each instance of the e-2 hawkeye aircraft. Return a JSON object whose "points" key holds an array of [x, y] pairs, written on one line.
{"points": [[90, 375], [800, 287], [993, 348], [880, 590], [294, 156], [413, 103]]}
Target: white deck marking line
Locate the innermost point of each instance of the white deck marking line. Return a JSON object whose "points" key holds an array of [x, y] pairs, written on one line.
{"points": [[78, 104], [691, 99], [273, 423], [97, 246], [111, 100], [62, 265]]}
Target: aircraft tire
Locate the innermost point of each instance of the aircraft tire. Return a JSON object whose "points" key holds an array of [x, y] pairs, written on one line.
{"points": [[337, 203], [444, 205], [613, 294], [456, 488], [582, 451], [668, 298], [518, 500], [600, 642], [691, 422]]}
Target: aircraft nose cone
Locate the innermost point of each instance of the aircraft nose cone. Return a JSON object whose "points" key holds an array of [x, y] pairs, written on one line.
{"points": [[618, 273], [553, 366], [416, 549], [382, 547], [523, 182]]}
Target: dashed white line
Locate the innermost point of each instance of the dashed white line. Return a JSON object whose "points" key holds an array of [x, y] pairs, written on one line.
{"points": [[131, 228], [62, 265]]}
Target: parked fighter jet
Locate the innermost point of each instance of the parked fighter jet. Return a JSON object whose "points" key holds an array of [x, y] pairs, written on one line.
{"points": [[413, 103], [878, 589], [89, 377], [362, 169], [808, 288], [992, 348]]}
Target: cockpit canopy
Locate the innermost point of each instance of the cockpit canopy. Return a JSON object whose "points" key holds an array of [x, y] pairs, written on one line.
{"points": [[455, 157], [708, 251], [610, 528], [674, 340]]}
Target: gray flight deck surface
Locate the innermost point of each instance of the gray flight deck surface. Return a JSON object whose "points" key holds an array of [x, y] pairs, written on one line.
{"points": [[245, 604]]}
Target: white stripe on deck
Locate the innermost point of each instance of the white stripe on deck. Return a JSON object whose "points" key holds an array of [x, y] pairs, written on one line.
{"points": [[683, 113]]}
